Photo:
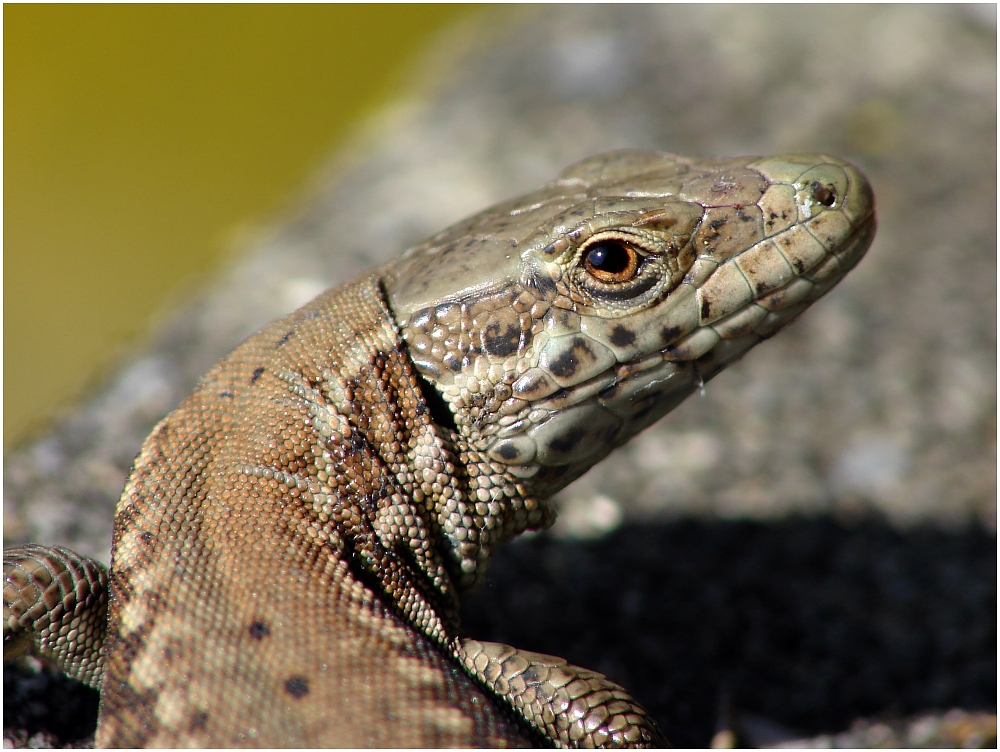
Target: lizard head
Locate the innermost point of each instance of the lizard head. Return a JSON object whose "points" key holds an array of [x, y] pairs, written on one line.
{"points": [[552, 328]]}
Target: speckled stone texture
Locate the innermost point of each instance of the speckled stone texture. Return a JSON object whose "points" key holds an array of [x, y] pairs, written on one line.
{"points": [[878, 405]]}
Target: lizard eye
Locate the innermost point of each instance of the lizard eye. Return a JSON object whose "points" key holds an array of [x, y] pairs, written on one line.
{"points": [[612, 261]]}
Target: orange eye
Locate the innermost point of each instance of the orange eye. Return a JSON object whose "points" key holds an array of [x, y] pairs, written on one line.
{"points": [[612, 261]]}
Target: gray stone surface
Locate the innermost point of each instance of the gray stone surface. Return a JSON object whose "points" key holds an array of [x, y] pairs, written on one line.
{"points": [[955, 729], [880, 400]]}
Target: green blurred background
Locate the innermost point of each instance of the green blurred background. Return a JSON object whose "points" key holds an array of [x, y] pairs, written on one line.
{"points": [[139, 138]]}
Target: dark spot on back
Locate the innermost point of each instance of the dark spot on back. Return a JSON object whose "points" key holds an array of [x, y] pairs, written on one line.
{"points": [[706, 308], [716, 224], [622, 336], [297, 686], [284, 338], [257, 373], [259, 630], [146, 538], [227, 394], [199, 721]]}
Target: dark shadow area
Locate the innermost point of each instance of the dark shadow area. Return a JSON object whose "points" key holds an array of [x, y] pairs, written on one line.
{"points": [[803, 623], [47, 709]]}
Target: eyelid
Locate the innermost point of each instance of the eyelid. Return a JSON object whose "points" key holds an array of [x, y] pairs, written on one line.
{"points": [[614, 236]]}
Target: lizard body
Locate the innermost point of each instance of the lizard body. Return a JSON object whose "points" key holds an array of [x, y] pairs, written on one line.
{"points": [[291, 545]]}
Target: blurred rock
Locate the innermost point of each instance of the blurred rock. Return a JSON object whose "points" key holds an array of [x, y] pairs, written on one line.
{"points": [[955, 729]]}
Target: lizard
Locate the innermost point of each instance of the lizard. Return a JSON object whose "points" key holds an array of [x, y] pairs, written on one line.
{"points": [[292, 542]]}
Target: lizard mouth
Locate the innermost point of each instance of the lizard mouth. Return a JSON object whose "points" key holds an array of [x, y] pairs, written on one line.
{"points": [[581, 423]]}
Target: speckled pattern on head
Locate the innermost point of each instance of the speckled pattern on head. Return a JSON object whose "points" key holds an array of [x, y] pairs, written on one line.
{"points": [[291, 545], [547, 367]]}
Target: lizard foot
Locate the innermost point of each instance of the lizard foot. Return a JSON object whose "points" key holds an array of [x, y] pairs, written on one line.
{"points": [[572, 706]]}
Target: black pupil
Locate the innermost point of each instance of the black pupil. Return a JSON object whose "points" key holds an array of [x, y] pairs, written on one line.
{"points": [[608, 257]]}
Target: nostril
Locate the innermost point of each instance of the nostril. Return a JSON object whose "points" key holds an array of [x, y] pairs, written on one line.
{"points": [[824, 194]]}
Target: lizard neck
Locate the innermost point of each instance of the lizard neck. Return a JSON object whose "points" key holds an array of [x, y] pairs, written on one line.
{"points": [[482, 506], [427, 510], [472, 502]]}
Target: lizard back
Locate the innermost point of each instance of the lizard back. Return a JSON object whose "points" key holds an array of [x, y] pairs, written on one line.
{"points": [[256, 593]]}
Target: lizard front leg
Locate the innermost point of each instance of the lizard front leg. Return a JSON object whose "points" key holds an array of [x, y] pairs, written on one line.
{"points": [[572, 706], [55, 604]]}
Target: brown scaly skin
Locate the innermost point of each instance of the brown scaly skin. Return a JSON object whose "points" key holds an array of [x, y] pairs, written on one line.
{"points": [[290, 548]]}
